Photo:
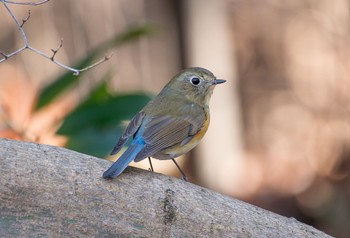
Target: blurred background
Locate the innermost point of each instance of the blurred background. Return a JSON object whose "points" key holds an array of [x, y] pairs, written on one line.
{"points": [[280, 127]]}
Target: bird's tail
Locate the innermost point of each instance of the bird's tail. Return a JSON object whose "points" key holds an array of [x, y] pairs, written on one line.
{"points": [[126, 158]]}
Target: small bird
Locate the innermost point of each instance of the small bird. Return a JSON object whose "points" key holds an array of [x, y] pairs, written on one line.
{"points": [[171, 124]]}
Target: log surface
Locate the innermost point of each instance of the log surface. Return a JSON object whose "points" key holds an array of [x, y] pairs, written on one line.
{"points": [[48, 191]]}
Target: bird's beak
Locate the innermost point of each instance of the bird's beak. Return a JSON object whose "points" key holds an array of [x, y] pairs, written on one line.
{"points": [[218, 81]]}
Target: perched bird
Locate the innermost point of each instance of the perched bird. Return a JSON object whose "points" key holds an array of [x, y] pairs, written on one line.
{"points": [[171, 124]]}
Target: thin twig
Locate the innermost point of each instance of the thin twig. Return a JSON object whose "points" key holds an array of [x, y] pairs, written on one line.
{"points": [[29, 47], [107, 57], [6, 56], [28, 3], [16, 21], [55, 51], [3, 54], [26, 19]]}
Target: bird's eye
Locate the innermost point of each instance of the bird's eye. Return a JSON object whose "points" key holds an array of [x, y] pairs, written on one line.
{"points": [[195, 81]]}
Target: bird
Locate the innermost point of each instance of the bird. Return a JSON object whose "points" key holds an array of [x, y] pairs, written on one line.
{"points": [[171, 124]]}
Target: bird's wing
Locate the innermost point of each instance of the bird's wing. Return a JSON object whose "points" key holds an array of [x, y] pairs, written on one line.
{"points": [[131, 129], [162, 132]]}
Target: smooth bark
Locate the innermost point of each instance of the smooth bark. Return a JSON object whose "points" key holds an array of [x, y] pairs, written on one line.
{"points": [[47, 191]]}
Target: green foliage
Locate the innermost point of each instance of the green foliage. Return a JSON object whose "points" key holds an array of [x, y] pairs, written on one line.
{"points": [[94, 126]]}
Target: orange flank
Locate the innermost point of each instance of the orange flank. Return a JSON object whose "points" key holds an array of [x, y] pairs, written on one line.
{"points": [[177, 150]]}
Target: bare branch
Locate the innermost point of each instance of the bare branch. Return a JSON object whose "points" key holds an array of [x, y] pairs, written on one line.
{"points": [[28, 3], [5, 56], [16, 21], [26, 19], [29, 47], [55, 51], [75, 71], [107, 57]]}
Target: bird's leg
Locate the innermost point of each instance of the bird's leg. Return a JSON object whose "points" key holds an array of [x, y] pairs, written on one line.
{"points": [[184, 177], [150, 163]]}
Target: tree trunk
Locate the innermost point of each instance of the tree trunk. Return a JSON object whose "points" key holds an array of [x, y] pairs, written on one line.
{"points": [[48, 191]]}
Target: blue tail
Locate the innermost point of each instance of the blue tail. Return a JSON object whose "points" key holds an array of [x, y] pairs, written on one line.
{"points": [[126, 158]]}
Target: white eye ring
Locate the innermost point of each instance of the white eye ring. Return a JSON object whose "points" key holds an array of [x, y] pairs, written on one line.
{"points": [[195, 80]]}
